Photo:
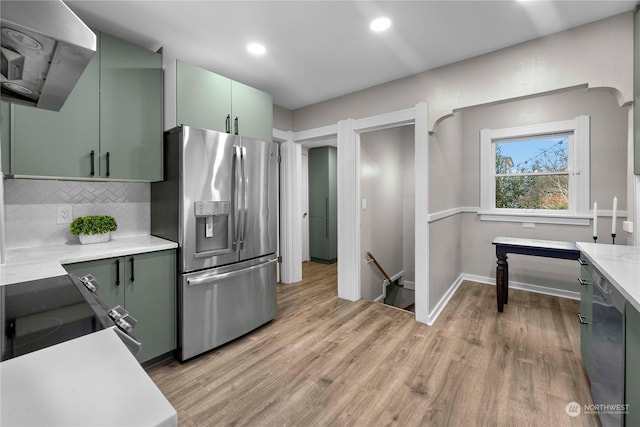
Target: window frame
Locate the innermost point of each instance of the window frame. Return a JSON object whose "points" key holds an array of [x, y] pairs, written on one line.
{"points": [[578, 171]]}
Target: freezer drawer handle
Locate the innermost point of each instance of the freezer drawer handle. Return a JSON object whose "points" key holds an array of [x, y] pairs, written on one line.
{"points": [[215, 277]]}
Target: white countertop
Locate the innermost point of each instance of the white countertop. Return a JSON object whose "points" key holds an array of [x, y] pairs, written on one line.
{"points": [[618, 263], [88, 381], [25, 264]]}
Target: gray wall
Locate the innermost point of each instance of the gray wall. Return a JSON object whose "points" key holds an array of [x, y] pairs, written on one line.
{"points": [[608, 179], [381, 221], [445, 180], [282, 118]]}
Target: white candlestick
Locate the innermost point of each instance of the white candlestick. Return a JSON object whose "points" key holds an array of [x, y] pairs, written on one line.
{"points": [[615, 215], [595, 219]]}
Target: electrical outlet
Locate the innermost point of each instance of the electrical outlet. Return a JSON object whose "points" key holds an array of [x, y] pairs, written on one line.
{"points": [[64, 214]]}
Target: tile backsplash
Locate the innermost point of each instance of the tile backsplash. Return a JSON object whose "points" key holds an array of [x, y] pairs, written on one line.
{"points": [[30, 208]]}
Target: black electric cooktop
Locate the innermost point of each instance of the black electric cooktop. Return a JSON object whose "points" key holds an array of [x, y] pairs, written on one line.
{"points": [[42, 313]]}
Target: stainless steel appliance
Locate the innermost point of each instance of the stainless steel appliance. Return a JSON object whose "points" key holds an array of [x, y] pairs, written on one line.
{"points": [[607, 350], [45, 312], [45, 49], [218, 201]]}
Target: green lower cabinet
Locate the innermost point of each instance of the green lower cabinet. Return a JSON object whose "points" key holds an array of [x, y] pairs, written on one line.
{"points": [[145, 285], [632, 367], [586, 310]]}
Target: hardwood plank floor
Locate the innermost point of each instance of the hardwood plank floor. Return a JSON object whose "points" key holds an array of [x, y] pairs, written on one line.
{"points": [[326, 361]]}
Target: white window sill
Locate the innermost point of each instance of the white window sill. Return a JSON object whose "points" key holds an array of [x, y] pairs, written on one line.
{"points": [[535, 218]]}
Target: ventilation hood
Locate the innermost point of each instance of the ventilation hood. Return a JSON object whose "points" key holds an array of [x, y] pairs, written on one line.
{"points": [[45, 49]]}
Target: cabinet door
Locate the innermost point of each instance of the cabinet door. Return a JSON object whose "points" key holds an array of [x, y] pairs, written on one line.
{"points": [[59, 143], [333, 202], [150, 297], [5, 135], [632, 369], [252, 112], [109, 273], [203, 98], [131, 111], [319, 204]]}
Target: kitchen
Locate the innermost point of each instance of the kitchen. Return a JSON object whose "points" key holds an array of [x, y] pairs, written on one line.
{"points": [[448, 91]]}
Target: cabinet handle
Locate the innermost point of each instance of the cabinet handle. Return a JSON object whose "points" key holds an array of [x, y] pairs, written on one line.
{"points": [[582, 281], [93, 157], [133, 279], [108, 164], [582, 262], [117, 272], [227, 124], [583, 320], [235, 121]]}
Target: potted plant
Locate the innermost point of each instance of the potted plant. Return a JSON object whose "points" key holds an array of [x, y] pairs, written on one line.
{"points": [[93, 229]]}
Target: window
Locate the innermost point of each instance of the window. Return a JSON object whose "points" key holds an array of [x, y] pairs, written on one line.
{"points": [[537, 173]]}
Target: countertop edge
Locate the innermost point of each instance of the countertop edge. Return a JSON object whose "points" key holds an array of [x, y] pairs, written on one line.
{"points": [[25, 264], [586, 249]]}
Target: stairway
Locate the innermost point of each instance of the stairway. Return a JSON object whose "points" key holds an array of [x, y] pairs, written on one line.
{"points": [[396, 294]]}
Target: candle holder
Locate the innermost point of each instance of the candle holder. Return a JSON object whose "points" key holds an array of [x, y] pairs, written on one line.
{"points": [[613, 238], [595, 238]]}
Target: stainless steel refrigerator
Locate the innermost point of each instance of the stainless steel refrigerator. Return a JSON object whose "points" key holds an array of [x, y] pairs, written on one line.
{"points": [[219, 202]]}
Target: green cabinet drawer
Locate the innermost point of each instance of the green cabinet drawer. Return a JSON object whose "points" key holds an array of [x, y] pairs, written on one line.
{"points": [[131, 111], [145, 285]]}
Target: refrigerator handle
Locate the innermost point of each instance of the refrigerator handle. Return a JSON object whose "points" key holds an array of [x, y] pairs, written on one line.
{"points": [[236, 207], [245, 183], [220, 276]]}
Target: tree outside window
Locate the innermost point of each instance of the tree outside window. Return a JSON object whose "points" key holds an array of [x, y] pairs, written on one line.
{"points": [[532, 173]]}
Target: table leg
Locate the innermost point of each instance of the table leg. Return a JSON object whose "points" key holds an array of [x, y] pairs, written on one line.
{"points": [[501, 270], [506, 281]]}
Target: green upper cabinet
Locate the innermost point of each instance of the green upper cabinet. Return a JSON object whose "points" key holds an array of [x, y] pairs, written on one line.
{"points": [[5, 136], [208, 100], [59, 143], [203, 98], [131, 111], [114, 112], [252, 112]]}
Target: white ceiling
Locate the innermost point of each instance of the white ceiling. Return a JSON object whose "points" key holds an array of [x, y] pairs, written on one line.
{"points": [[318, 50]]}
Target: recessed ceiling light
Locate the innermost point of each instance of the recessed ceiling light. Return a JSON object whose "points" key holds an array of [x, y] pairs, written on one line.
{"points": [[380, 24], [256, 48]]}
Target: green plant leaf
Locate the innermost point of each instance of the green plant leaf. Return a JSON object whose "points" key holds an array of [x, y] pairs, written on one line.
{"points": [[93, 224]]}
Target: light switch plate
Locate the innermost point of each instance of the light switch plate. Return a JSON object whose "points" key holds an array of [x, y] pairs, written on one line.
{"points": [[364, 204], [627, 226], [64, 214]]}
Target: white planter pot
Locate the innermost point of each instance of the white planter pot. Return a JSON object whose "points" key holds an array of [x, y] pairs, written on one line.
{"points": [[87, 239]]}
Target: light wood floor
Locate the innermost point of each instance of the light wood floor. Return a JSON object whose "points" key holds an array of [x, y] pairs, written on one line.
{"points": [[326, 361]]}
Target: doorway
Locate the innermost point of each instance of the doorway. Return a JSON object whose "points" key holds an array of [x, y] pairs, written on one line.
{"points": [[387, 216]]}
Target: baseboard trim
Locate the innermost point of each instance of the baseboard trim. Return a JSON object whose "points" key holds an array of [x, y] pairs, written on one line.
{"points": [[410, 285], [527, 287], [431, 319]]}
